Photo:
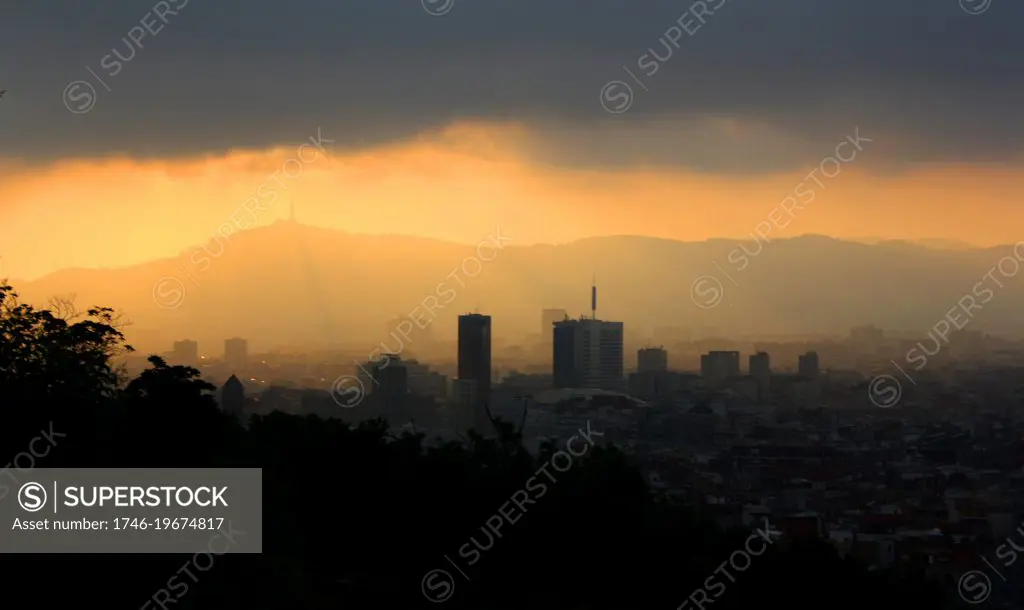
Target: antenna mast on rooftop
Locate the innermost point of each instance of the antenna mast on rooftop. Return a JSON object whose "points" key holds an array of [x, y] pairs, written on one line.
{"points": [[593, 297]]}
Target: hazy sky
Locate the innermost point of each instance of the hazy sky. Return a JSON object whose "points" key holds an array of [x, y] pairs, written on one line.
{"points": [[492, 114]]}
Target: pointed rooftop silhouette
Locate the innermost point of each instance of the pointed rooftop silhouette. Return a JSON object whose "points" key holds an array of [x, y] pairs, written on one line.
{"points": [[233, 386]]}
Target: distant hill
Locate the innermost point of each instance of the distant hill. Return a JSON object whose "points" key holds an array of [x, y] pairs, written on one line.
{"points": [[933, 243], [289, 283]]}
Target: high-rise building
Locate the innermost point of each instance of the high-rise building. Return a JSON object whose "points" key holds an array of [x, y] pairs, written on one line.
{"points": [[760, 364], [761, 371], [651, 359], [720, 366], [566, 371], [392, 380], [185, 352], [236, 353], [548, 317], [808, 365], [475, 353], [588, 353]]}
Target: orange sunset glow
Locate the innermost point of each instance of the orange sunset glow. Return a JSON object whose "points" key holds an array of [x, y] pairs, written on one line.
{"points": [[121, 211]]}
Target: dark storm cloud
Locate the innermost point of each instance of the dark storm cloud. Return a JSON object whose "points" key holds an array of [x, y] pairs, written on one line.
{"points": [[925, 79]]}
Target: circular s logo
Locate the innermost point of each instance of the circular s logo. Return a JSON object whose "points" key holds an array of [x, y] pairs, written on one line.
{"points": [[437, 8], [884, 391], [348, 391], [168, 293], [32, 497], [974, 587], [79, 97], [616, 97], [706, 291], [975, 7], [438, 586]]}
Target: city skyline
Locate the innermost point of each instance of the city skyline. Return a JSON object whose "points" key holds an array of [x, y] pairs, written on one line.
{"points": [[690, 301], [764, 288]]}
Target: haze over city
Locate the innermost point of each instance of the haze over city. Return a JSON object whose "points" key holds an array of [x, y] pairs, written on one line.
{"points": [[518, 303]]}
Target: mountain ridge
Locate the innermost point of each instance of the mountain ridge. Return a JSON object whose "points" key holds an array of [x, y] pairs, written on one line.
{"points": [[288, 282]]}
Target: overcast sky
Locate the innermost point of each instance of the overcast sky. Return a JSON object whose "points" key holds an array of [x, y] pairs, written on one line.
{"points": [[926, 79]]}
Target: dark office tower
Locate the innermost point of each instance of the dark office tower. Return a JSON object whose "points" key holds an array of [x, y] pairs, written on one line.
{"points": [[718, 367], [652, 359], [232, 396], [760, 365], [392, 378], [761, 371], [808, 365], [475, 353], [588, 354], [565, 371]]}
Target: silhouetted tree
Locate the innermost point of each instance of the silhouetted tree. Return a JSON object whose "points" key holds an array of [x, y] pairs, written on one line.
{"points": [[45, 355]]}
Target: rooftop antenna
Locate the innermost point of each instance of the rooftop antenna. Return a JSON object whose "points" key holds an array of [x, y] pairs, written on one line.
{"points": [[593, 297]]}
